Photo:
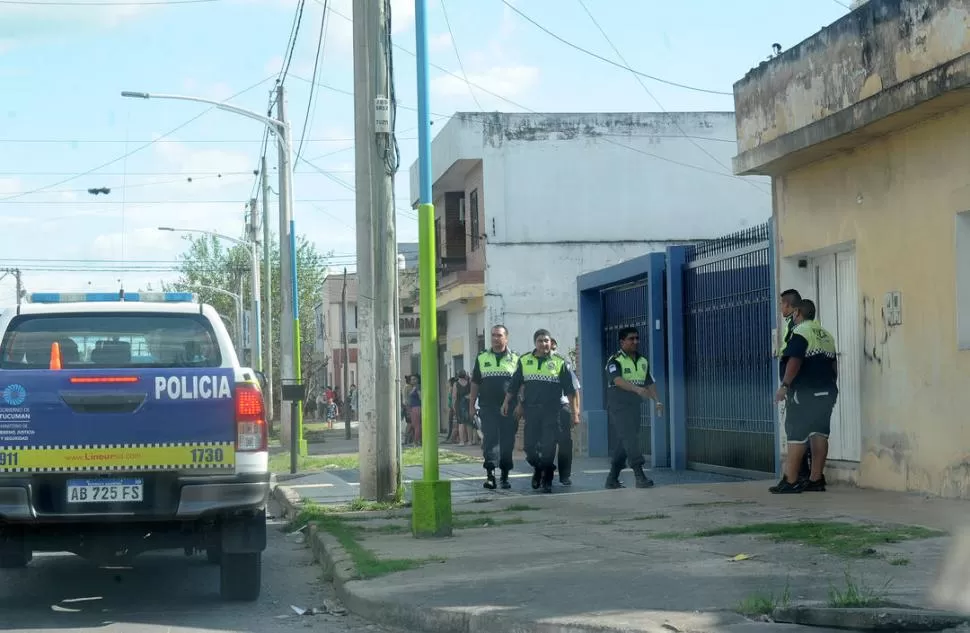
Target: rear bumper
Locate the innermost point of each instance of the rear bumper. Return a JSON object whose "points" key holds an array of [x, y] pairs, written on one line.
{"points": [[39, 499]]}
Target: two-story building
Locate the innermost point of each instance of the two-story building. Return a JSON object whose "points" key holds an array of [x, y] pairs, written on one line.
{"points": [[524, 203], [328, 345]]}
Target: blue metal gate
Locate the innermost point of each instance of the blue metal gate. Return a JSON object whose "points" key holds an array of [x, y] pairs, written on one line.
{"points": [[626, 306], [729, 365]]}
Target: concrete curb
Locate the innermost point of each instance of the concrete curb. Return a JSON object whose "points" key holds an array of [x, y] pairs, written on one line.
{"points": [[870, 618]]}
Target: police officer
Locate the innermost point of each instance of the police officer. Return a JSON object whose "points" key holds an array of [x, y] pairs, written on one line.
{"points": [[490, 380], [566, 423], [546, 378], [789, 300], [630, 382]]}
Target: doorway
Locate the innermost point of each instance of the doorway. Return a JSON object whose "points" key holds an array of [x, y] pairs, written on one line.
{"points": [[838, 301]]}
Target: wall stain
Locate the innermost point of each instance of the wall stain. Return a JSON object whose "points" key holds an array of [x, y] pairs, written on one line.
{"points": [[875, 332]]}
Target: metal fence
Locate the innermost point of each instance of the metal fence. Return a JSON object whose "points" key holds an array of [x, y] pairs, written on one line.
{"points": [[626, 306], [728, 307]]}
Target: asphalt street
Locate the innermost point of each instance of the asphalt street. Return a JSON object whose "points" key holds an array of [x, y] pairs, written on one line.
{"points": [[168, 593]]}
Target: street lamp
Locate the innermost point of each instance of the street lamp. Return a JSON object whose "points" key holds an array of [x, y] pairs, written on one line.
{"points": [[255, 333], [290, 364], [238, 299]]}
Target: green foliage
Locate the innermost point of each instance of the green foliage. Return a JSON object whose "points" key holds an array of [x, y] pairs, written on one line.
{"points": [[207, 261]]}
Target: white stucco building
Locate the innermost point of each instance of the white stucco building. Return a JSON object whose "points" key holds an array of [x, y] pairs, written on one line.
{"points": [[524, 203]]}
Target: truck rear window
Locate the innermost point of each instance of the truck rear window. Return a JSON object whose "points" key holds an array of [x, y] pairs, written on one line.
{"points": [[110, 340]]}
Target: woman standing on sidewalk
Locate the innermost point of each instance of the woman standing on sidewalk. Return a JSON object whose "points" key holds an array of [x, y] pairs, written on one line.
{"points": [[414, 408]]}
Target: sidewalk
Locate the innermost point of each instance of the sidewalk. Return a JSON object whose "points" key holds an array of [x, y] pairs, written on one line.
{"points": [[673, 558]]}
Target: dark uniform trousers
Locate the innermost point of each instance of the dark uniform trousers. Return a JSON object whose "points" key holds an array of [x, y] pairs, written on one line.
{"points": [[625, 419], [542, 431], [565, 458], [498, 442]]}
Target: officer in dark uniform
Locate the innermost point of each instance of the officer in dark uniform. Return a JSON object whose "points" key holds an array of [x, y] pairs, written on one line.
{"points": [[630, 382], [789, 301], [490, 381], [564, 460], [546, 378]]}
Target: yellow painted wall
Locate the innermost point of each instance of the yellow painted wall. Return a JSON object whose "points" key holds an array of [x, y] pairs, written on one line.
{"points": [[896, 199]]}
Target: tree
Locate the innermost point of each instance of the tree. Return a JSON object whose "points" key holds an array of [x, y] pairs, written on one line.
{"points": [[208, 262]]}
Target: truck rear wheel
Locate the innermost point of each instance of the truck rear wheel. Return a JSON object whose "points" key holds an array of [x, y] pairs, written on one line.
{"points": [[241, 576]]}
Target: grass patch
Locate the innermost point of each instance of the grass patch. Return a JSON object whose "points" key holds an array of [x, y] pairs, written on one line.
{"points": [[484, 522], [849, 540], [280, 462], [764, 603], [367, 563], [857, 595], [899, 561], [669, 536], [313, 512], [649, 517]]}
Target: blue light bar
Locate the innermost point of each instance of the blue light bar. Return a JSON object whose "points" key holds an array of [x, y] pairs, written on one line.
{"points": [[113, 297]]}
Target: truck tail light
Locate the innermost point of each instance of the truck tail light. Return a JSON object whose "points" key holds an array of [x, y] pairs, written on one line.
{"points": [[251, 432]]}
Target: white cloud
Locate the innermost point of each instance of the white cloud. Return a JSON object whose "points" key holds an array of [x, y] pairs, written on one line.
{"points": [[23, 22], [440, 42], [508, 81]]}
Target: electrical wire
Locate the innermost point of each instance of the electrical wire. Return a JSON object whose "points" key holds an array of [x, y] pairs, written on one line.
{"points": [[607, 59], [144, 202], [454, 45], [294, 36], [321, 45], [77, 141], [391, 150], [654, 98], [132, 152]]}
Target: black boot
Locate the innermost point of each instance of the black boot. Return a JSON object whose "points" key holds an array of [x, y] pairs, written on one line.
{"points": [[642, 480], [504, 480], [489, 480], [536, 478], [613, 479], [547, 477]]}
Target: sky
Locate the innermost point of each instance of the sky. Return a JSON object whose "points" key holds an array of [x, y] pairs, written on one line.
{"points": [[66, 129]]}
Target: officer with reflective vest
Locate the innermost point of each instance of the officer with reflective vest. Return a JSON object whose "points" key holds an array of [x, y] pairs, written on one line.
{"points": [[490, 381], [546, 377], [564, 460], [630, 382], [789, 300]]}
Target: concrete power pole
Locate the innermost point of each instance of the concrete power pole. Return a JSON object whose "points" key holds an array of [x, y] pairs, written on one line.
{"points": [[267, 292], [346, 356], [256, 344], [20, 285], [287, 374], [376, 255]]}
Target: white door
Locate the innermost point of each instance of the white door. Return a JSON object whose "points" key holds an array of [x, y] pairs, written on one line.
{"points": [[838, 312]]}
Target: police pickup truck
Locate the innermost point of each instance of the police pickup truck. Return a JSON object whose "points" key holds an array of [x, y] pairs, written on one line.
{"points": [[127, 425]]}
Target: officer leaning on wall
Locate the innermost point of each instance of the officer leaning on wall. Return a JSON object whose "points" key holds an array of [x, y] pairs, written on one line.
{"points": [[630, 382], [788, 302], [546, 377]]}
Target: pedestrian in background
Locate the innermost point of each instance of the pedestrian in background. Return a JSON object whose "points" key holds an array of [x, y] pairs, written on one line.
{"points": [[414, 408], [567, 423]]}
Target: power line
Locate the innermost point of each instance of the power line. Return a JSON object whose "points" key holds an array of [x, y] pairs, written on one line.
{"points": [[294, 35], [89, 141], [321, 44], [454, 45], [141, 173], [137, 202], [132, 152], [651, 95], [608, 60]]}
